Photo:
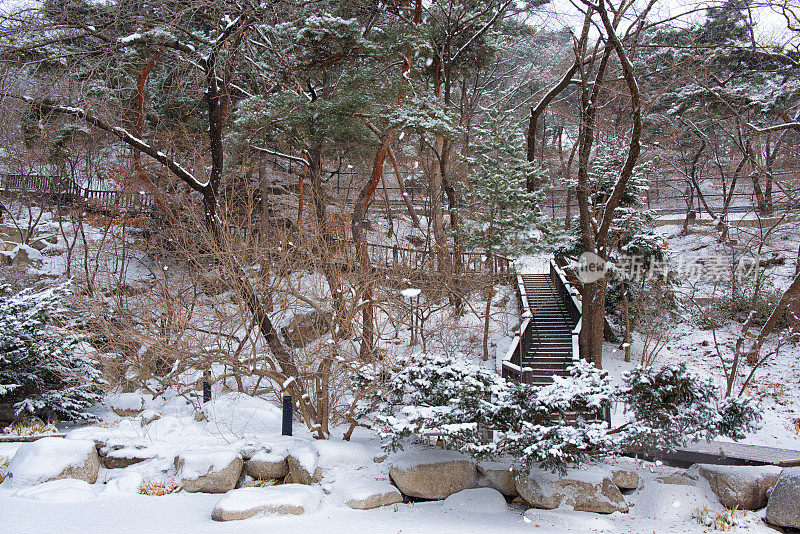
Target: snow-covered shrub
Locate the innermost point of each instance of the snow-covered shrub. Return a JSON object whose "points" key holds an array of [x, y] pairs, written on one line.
{"points": [[454, 400], [555, 425], [40, 372], [672, 406]]}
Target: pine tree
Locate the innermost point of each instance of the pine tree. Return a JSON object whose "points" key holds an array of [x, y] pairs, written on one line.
{"points": [[41, 373]]}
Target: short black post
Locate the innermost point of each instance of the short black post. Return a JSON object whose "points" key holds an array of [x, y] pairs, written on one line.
{"points": [[287, 414], [206, 386]]}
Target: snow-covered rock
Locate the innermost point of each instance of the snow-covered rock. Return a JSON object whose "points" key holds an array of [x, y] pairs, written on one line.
{"points": [[586, 490], [63, 490], [53, 459], [119, 458], [433, 473], [286, 499], [500, 476], [149, 416], [625, 479], [783, 509], [743, 487], [304, 465], [208, 470], [127, 404], [366, 494], [266, 464], [480, 501]]}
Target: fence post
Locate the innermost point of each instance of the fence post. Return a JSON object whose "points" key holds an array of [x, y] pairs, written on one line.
{"points": [[286, 427]]}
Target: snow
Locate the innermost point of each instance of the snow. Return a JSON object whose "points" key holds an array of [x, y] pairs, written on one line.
{"points": [[480, 501], [126, 483], [59, 491], [46, 458], [238, 414], [411, 292], [127, 402], [240, 500]]}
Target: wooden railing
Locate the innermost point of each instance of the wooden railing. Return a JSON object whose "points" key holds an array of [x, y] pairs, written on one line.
{"points": [[404, 259], [67, 189]]}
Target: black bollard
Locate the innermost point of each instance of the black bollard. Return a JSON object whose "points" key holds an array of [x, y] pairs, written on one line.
{"points": [[287, 414], [206, 387]]}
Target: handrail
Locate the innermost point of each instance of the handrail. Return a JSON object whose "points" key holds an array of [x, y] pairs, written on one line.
{"points": [[568, 295]]}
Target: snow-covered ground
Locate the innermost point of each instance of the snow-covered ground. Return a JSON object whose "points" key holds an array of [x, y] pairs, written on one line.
{"points": [[231, 422]]}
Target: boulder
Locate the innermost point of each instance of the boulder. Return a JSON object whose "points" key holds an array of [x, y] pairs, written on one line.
{"points": [[149, 416], [366, 494], [122, 457], [585, 491], [305, 328], [208, 470], [127, 404], [783, 508], [23, 256], [286, 499], [265, 464], [303, 465], [500, 476], [433, 473], [53, 458], [743, 487], [481, 501], [625, 479]]}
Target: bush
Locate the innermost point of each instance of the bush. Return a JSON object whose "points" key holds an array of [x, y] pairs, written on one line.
{"points": [[555, 425], [40, 372]]}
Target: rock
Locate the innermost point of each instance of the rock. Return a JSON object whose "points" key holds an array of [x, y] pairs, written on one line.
{"points": [[303, 466], [148, 416], [624, 479], [127, 404], [433, 473], [783, 509], [480, 501], [367, 494], [23, 256], [585, 491], [305, 328], [52, 458], [286, 499], [380, 459], [500, 477], [208, 470], [265, 464], [744, 487], [122, 457]]}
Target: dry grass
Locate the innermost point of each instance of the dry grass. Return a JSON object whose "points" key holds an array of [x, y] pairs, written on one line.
{"points": [[158, 488], [724, 521], [30, 428], [3, 468], [262, 483]]}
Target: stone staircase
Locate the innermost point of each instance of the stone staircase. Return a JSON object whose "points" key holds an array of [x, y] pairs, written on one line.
{"points": [[549, 336]]}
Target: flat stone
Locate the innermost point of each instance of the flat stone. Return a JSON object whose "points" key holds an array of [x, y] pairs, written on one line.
{"points": [[433, 473], [625, 479], [267, 465], [286, 499], [368, 494]]}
